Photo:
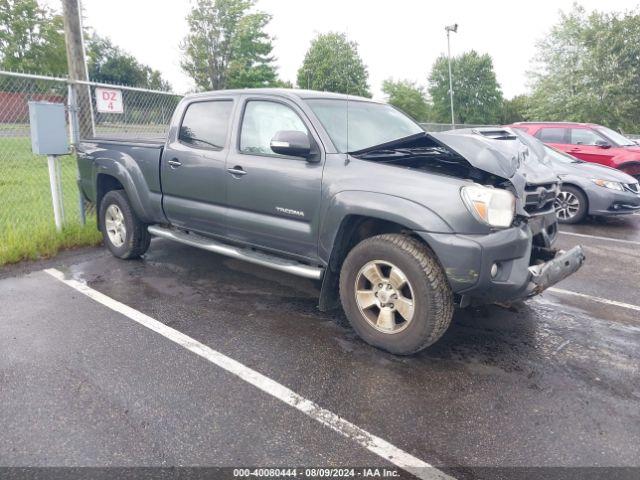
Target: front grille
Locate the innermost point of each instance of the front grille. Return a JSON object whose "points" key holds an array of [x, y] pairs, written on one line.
{"points": [[539, 198], [632, 187]]}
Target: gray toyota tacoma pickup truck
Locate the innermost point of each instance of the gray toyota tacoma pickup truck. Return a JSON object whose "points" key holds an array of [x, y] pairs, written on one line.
{"points": [[400, 226]]}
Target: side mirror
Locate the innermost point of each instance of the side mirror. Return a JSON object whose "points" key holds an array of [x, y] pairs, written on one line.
{"points": [[602, 144], [291, 142]]}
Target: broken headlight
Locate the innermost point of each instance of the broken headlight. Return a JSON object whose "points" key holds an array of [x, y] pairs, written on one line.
{"points": [[493, 206]]}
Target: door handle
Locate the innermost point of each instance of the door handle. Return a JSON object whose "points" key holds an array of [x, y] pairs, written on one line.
{"points": [[174, 163], [237, 170]]}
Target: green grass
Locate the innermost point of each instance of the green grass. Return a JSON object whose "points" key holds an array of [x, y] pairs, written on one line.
{"points": [[27, 229], [14, 127]]}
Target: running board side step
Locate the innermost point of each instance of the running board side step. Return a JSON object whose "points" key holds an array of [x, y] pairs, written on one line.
{"points": [[248, 255]]}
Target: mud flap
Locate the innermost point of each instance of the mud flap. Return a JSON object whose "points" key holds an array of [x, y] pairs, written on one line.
{"points": [[560, 267]]}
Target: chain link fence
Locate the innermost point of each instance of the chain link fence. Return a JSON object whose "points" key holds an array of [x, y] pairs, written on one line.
{"points": [[27, 228], [146, 113]]}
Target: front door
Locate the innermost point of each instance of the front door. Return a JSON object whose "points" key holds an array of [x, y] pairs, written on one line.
{"points": [[273, 200], [587, 145], [193, 172]]}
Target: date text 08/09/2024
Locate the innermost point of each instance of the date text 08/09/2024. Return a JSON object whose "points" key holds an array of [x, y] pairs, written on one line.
{"points": [[316, 472]]}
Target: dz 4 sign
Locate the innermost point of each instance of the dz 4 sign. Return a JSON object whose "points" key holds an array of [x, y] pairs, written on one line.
{"points": [[109, 100]]}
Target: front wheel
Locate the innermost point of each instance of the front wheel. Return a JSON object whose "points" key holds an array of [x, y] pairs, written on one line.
{"points": [[395, 294], [571, 205], [123, 232]]}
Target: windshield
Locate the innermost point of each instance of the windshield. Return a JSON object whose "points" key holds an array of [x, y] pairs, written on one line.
{"points": [[559, 156], [616, 137], [355, 125]]}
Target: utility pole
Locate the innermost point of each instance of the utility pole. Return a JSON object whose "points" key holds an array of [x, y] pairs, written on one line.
{"points": [[451, 28], [77, 67]]}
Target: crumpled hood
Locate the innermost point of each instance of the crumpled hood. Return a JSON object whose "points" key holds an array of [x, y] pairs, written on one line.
{"points": [[520, 161], [516, 159]]}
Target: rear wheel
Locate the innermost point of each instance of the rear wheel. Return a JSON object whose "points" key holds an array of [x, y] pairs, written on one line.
{"points": [[571, 205], [395, 294], [123, 232]]}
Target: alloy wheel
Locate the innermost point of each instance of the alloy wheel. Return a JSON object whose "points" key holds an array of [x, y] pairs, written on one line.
{"points": [[384, 296], [115, 226], [567, 205]]}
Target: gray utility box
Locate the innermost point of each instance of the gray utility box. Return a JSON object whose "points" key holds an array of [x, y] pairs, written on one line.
{"points": [[48, 128]]}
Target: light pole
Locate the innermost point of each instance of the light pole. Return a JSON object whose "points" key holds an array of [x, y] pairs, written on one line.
{"points": [[451, 28]]}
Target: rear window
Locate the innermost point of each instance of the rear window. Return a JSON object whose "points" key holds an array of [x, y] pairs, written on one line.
{"points": [[551, 135], [205, 124]]}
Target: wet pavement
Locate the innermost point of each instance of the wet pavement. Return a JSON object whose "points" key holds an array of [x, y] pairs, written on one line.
{"points": [[553, 382]]}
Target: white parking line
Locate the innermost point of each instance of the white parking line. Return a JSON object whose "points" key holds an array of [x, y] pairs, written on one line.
{"points": [[620, 240], [606, 301], [374, 444]]}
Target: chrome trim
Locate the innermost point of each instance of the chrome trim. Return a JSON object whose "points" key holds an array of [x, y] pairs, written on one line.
{"points": [[251, 256]]}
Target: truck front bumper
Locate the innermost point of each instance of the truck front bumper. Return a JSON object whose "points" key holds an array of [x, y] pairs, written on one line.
{"points": [[551, 272], [502, 266]]}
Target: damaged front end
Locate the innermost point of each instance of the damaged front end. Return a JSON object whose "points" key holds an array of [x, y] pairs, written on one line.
{"points": [[508, 264]]}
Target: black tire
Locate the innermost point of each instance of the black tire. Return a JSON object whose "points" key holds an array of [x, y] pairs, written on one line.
{"points": [[432, 297], [583, 208], [136, 238]]}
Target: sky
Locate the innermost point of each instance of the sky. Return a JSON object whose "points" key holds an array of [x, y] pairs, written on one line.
{"points": [[397, 39]]}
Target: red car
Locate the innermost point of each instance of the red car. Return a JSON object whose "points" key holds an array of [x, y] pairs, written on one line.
{"points": [[588, 142]]}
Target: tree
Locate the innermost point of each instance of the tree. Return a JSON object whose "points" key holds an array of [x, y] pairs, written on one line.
{"points": [[108, 63], [333, 64], [31, 38], [408, 97], [227, 46], [515, 110], [477, 94], [587, 69]]}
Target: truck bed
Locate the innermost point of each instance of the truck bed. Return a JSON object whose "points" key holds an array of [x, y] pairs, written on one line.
{"points": [[142, 174]]}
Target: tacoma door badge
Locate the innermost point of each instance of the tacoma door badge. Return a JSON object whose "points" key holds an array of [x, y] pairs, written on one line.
{"points": [[290, 211]]}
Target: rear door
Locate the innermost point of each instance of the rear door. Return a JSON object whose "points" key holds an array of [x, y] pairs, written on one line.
{"points": [[584, 145], [557, 137], [273, 200], [192, 170]]}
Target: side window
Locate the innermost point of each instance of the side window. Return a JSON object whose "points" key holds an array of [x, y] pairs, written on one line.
{"points": [[551, 135], [584, 136], [261, 121], [205, 124]]}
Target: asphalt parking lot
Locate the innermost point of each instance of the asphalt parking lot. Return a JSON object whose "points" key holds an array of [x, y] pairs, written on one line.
{"points": [[554, 382]]}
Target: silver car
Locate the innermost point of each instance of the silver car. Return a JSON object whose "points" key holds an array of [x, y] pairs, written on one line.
{"points": [[590, 189]]}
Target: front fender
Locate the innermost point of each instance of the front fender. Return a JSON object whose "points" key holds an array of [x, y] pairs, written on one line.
{"points": [[394, 209]]}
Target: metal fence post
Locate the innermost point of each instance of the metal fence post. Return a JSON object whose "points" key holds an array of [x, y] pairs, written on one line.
{"points": [[74, 139], [54, 181]]}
